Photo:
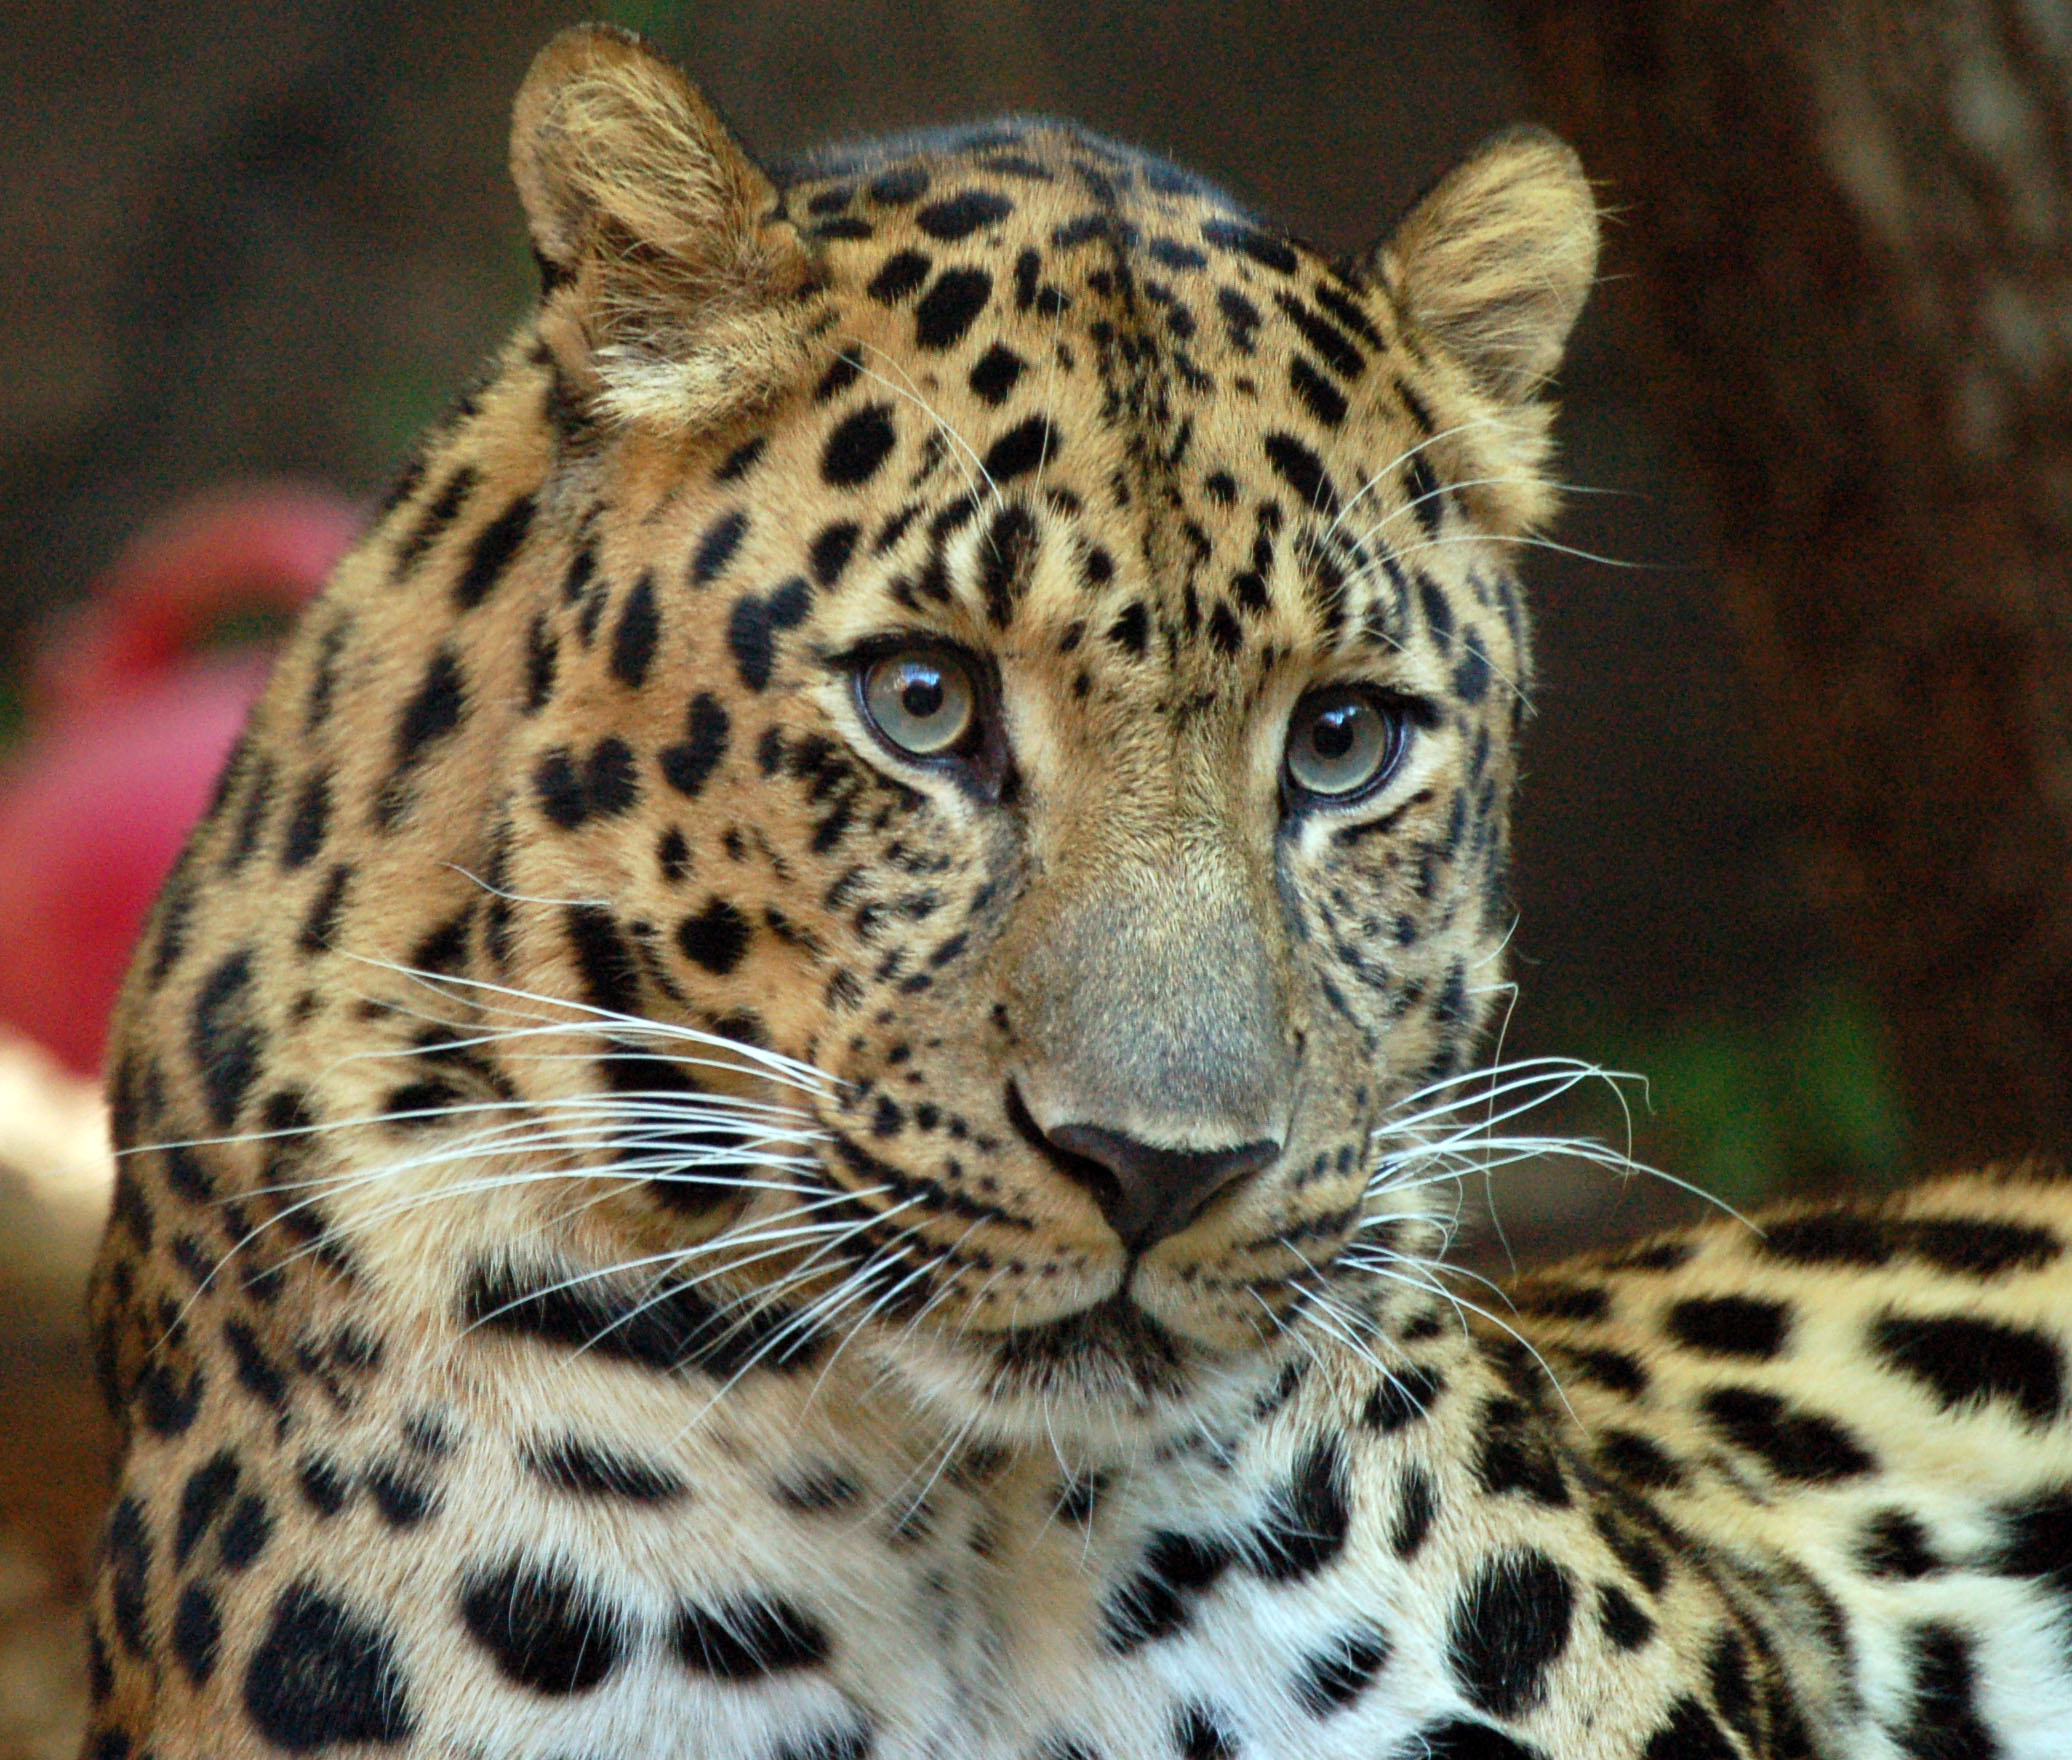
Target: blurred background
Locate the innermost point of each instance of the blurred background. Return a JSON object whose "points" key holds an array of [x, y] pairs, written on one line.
{"points": [[256, 244]]}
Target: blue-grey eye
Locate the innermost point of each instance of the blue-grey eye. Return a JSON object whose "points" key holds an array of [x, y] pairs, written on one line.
{"points": [[1342, 741], [921, 701]]}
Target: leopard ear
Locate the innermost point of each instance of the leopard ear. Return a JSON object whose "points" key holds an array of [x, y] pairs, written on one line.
{"points": [[672, 291], [1495, 262]]}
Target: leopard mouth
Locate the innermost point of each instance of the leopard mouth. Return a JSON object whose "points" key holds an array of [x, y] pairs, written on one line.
{"points": [[1114, 1343]]}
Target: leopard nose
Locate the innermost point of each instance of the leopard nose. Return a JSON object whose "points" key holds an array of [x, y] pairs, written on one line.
{"points": [[1145, 1191]]}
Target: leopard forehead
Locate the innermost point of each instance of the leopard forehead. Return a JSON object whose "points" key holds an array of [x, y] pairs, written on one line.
{"points": [[1069, 402]]}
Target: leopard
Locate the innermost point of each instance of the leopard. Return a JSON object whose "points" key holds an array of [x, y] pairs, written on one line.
{"points": [[796, 1102]]}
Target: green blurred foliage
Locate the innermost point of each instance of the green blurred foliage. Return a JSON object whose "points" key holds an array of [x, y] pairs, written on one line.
{"points": [[1798, 1100]]}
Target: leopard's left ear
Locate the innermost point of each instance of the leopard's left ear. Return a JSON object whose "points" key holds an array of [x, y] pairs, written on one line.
{"points": [[672, 291], [1494, 264]]}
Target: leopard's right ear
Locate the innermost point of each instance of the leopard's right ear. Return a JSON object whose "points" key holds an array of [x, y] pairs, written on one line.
{"points": [[672, 291]]}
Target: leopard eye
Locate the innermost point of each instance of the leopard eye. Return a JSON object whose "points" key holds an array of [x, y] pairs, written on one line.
{"points": [[1342, 742], [922, 702]]}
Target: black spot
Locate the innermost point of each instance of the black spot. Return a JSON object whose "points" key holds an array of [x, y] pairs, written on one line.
{"points": [[738, 463], [640, 627], [950, 307], [589, 1469], [1794, 1444], [304, 837], [315, 934], [197, 1632], [1827, 1240], [1416, 1508], [1131, 629], [1509, 1625], [602, 786], [1025, 447], [1303, 472], [749, 1637], [246, 1532], [1638, 1459], [611, 979], [962, 214], [1944, 1721], [1552, 1299], [673, 855], [202, 1499], [716, 548], [843, 371], [1333, 1678], [542, 659], [1516, 1457], [1340, 352], [1614, 1371], [1157, 1601], [830, 550], [899, 275], [1234, 235], [1471, 671], [899, 185], [1730, 1326], [859, 444], [1733, 1695], [1306, 1521], [1894, 1544], [438, 514], [688, 766], [1455, 1740], [755, 624], [1632, 1546], [1006, 561], [401, 1493], [324, 1485], [1961, 1359], [716, 938], [1316, 393], [818, 1489], [541, 1627], [224, 1037], [1199, 1734], [128, 1545], [491, 553], [2036, 1540], [995, 373], [434, 710], [1690, 1734], [1621, 1617], [1971, 1247], [322, 1675]]}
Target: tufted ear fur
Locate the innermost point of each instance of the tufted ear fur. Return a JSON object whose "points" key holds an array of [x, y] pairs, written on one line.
{"points": [[670, 291], [1495, 262]]}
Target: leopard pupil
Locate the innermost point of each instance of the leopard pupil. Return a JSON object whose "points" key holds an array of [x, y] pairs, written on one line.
{"points": [[922, 697], [1333, 737]]}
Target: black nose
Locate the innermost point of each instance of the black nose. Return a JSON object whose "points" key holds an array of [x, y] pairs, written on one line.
{"points": [[1145, 1192]]}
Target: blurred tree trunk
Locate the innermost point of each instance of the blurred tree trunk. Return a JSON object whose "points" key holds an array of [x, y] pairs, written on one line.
{"points": [[1848, 227]]}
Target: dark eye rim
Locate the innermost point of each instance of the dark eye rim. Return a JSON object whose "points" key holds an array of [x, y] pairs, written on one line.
{"points": [[979, 761], [1404, 716]]}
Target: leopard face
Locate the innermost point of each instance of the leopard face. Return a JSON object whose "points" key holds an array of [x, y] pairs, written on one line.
{"points": [[976, 689]]}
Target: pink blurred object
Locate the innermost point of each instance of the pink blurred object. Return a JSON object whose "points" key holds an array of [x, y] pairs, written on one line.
{"points": [[129, 722]]}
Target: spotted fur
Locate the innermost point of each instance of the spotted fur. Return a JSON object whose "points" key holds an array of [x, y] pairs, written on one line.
{"points": [[655, 1219]]}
